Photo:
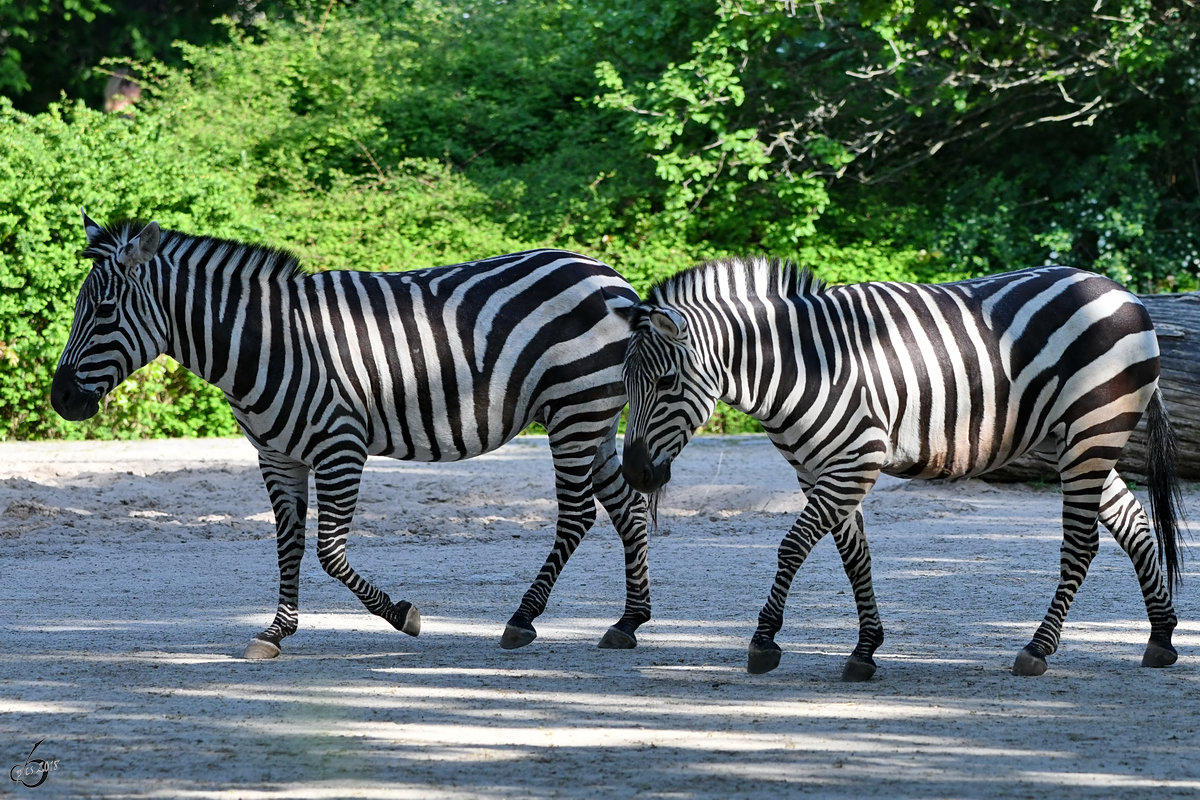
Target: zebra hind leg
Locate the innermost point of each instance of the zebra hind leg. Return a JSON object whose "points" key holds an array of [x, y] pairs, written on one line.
{"points": [[628, 512], [1125, 517], [1081, 541]]}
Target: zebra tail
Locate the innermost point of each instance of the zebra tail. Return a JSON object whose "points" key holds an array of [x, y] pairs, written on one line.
{"points": [[1166, 497]]}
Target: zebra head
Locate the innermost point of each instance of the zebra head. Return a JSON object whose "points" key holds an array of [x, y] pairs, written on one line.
{"points": [[118, 326], [670, 393]]}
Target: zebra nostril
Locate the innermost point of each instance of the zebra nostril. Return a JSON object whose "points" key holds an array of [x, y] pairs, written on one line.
{"points": [[62, 388], [69, 400]]}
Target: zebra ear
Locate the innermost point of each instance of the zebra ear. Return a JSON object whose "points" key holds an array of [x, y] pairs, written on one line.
{"points": [[622, 306], [141, 248], [91, 228], [667, 321]]}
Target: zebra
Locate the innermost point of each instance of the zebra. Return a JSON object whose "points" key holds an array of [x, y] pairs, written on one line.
{"points": [[917, 381], [323, 370]]}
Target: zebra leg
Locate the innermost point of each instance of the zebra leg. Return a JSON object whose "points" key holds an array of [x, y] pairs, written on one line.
{"points": [[576, 513], [856, 559], [627, 509], [1081, 540], [1125, 517], [287, 486], [818, 516], [337, 482]]}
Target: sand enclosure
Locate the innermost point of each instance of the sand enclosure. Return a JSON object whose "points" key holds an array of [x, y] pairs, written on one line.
{"points": [[135, 573]]}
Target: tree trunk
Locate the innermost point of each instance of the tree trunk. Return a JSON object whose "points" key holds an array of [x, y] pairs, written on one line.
{"points": [[1177, 321]]}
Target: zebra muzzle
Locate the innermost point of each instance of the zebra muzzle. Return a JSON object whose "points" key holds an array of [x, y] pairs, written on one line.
{"points": [[640, 470], [70, 400]]}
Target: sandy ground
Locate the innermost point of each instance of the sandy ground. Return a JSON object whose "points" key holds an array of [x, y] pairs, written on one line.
{"points": [[132, 575]]}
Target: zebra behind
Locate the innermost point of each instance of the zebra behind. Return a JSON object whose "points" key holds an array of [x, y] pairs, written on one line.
{"points": [[916, 381], [324, 370]]}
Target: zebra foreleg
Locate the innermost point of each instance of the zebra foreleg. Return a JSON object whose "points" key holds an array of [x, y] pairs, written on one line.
{"points": [[337, 482], [856, 560], [1081, 541], [287, 486], [576, 514], [764, 653], [627, 509], [1125, 517]]}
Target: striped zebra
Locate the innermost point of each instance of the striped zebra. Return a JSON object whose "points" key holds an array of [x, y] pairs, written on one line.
{"points": [[324, 370], [916, 381]]}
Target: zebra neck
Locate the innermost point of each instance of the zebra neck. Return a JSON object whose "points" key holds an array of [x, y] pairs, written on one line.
{"points": [[759, 360], [226, 324]]}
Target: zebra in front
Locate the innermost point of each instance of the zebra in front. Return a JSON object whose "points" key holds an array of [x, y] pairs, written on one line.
{"points": [[916, 381], [324, 370]]}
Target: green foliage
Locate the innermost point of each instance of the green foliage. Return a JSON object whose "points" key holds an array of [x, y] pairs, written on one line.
{"points": [[697, 121], [867, 140], [417, 215], [56, 162], [48, 47], [729, 420], [1007, 130], [27, 32]]}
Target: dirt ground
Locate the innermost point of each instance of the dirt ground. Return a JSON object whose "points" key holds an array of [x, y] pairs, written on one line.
{"points": [[133, 574]]}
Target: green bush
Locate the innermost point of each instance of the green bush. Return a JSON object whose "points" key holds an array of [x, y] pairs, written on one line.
{"points": [[55, 163], [378, 135], [68, 157]]}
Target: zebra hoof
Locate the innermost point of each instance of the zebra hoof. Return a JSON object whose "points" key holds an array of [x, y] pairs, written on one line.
{"points": [[515, 636], [1029, 663], [1157, 655], [858, 669], [763, 658], [259, 649], [616, 639], [404, 617]]}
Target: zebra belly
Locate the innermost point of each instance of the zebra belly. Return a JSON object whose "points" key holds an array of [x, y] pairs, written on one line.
{"points": [[437, 437]]}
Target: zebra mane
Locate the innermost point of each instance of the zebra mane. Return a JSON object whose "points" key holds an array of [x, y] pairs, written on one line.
{"points": [[260, 260], [763, 276]]}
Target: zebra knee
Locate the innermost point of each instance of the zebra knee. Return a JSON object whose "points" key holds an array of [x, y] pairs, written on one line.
{"points": [[335, 565], [588, 516]]}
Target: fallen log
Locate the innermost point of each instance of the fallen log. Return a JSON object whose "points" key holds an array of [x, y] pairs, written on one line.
{"points": [[1177, 321]]}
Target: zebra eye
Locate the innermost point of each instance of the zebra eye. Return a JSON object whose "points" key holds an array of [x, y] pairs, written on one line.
{"points": [[106, 309], [665, 382]]}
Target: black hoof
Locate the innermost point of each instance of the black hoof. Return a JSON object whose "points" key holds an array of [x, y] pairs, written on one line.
{"points": [[762, 657], [259, 649], [517, 635], [404, 617], [616, 639], [1158, 655], [1029, 663], [858, 669]]}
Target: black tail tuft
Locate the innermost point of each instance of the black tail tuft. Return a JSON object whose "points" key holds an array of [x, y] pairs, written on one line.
{"points": [[1166, 498]]}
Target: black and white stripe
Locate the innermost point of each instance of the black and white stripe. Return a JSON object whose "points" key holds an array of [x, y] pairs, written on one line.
{"points": [[918, 381], [325, 370]]}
